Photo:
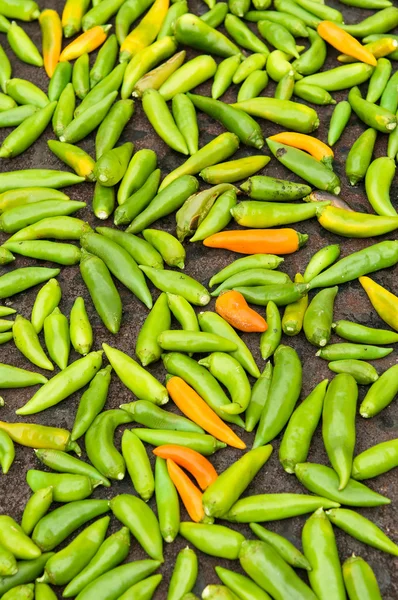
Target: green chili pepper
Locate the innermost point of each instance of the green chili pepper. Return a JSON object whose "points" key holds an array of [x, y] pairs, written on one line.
{"points": [[283, 395], [150, 415], [103, 292], [269, 570], [26, 92], [182, 341], [381, 394], [103, 202], [22, 216], [363, 372], [318, 318], [74, 157], [14, 539], [140, 168], [92, 402], [127, 14], [65, 487], [211, 322], [138, 201], [291, 115], [143, 589], [120, 263], [194, 32], [374, 116], [166, 501], [178, 283], [389, 98], [27, 132], [145, 60], [319, 479], [379, 80], [141, 521], [105, 61], [301, 427], [82, 126], [5, 325], [46, 301], [80, 76], [252, 277], [340, 117], [173, 14], [112, 126], [17, 9], [28, 570], [281, 295], [215, 540], [98, 15], [22, 46], [320, 548], [284, 548], [313, 94], [21, 279], [341, 78], [56, 335], [21, 196], [135, 378], [359, 579], [159, 319], [378, 186], [255, 214], [234, 170], [111, 166], [110, 554], [36, 507], [228, 370], [98, 95], [138, 465], [354, 332], [379, 22], [20, 592], [7, 455], [285, 87], [314, 58], [5, 311], [218, 216], [321, 260], [63, 114], [141, 250], [184, 574], [254, 261], [375, 460], [216, 15], [8, 563], [44, 592], [244, 36], [6, 102], [64, 463], [362, 529], [271, 338], [294, 9], [203, 443], [360, 156], [238, 7], [293, 24], [15, 116], [185, 117], [248, 66], [81, 333], [160, 118], [99, 443], [155, 78], [229, 486], [6, 256], [5, 69], [273, 507], [65, 383], [259, 397], [277, 35], [219, 149], [240, 584], [183, 312], [262, 187], [356, 351], [293, 317], [189, 75], [253, 85]]}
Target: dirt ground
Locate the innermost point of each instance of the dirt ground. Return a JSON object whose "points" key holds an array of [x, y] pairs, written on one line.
{"points": [[202, 263]]}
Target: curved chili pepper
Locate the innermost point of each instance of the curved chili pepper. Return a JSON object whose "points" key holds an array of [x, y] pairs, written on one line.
{"points": [[66, 487], [22, 46], [22, 279], [27, 342], [313, 59], [253, 85], [65, 463], [232, 307], [277, 35], [250, 64], [216, 15], [155, 78], [380, 394], [239, 584], [229, 371], [321, 260], [190, 495], [354, 224], [196, 464], [384, 302], [360, 156], [244, 36], [378, 181], [312, 145], [159, 320], [272, 214]]}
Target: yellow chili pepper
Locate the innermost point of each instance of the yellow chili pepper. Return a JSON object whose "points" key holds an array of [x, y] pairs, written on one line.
{"points": [[379, 49], [51, 30], [384, 302], [72, 15], [145, 33], [87, 42], [313, 146]]}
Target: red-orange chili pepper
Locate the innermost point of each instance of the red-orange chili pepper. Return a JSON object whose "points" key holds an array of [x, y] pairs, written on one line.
{"points": [[192, 461], [232, 307], [190, 495]]}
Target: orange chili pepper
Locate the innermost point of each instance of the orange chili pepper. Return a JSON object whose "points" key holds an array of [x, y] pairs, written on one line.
{"points": [[344, 42], [258, 241], [196, 409], [232, 307], [313, 146], [192, 461], [51, 31], [86, 42], [190, 495], [147, 30]]}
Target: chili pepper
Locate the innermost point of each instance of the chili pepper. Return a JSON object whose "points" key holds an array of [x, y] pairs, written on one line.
{"points": [[164, 125], [293, 317], [380, 46], [283, 112], [293, 24], [313, 146], [244, 36], [7, 455], [184, 574], [277, 412], [44, 592], [86, 42], [5, 311], [75, 157], [17, 9], [39, 436], [36, 507], [216, 15], [112, 126], [338, 122], [155, 78], [269, 570], [344, 42], [63, 114], [143, 589], [141, 250], [110, 83], [201, 469], [293, 9], [103, 202], [183, 312], [375, 116], [26, 92], [282, 241], [314, 58], [28, 570], [18, 218], [380, 394], [65, 487], [190, 495], [259, 397], [15, 116], [103, 292], [185, 117], [354, 332], [320, 479], [14, 539], [141, 521], [253, 85], [166, 501], [84, 124], [260, 261], [80, 76], [64, 384], [8, 564], [204, 444], [72, 16], [106, 458], [180, 341], [111, 166], [346, 351], [6, 256], [150, 415], [21, 592], [340, 78], [379, 79], [138, 465], [19, 196], [27, 342], [105, 61], [363, 372], [138, 201], [81, 333], [270, 214], [218, 592], [375, 460], [126, 15], [196, 33], [178, 283], [238, 583], [100, 14], [355, 224], [321, 260], [229, 371], [147, 347], [5, 70], [281, 294], [232, 307], [313, 94], [51, 28], [284, 548], [140, 168], [135, 378], [360, 580], [188, 76], [22, 46], [173, 14], [218, 216], [145, 33], [277, 35], [92, 402], [318, 318], [117, 581], [360, 156], [6, 325], [59, 80], [248, 66], [111, 553], [64, 463], [234, 170], [215, 540], [379, 22], [378, 188], [285, 87], [25, 135], [21, 279], [262, 187]]}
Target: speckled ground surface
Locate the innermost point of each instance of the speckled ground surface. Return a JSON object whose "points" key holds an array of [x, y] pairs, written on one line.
{"points": [[202, 263]]}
